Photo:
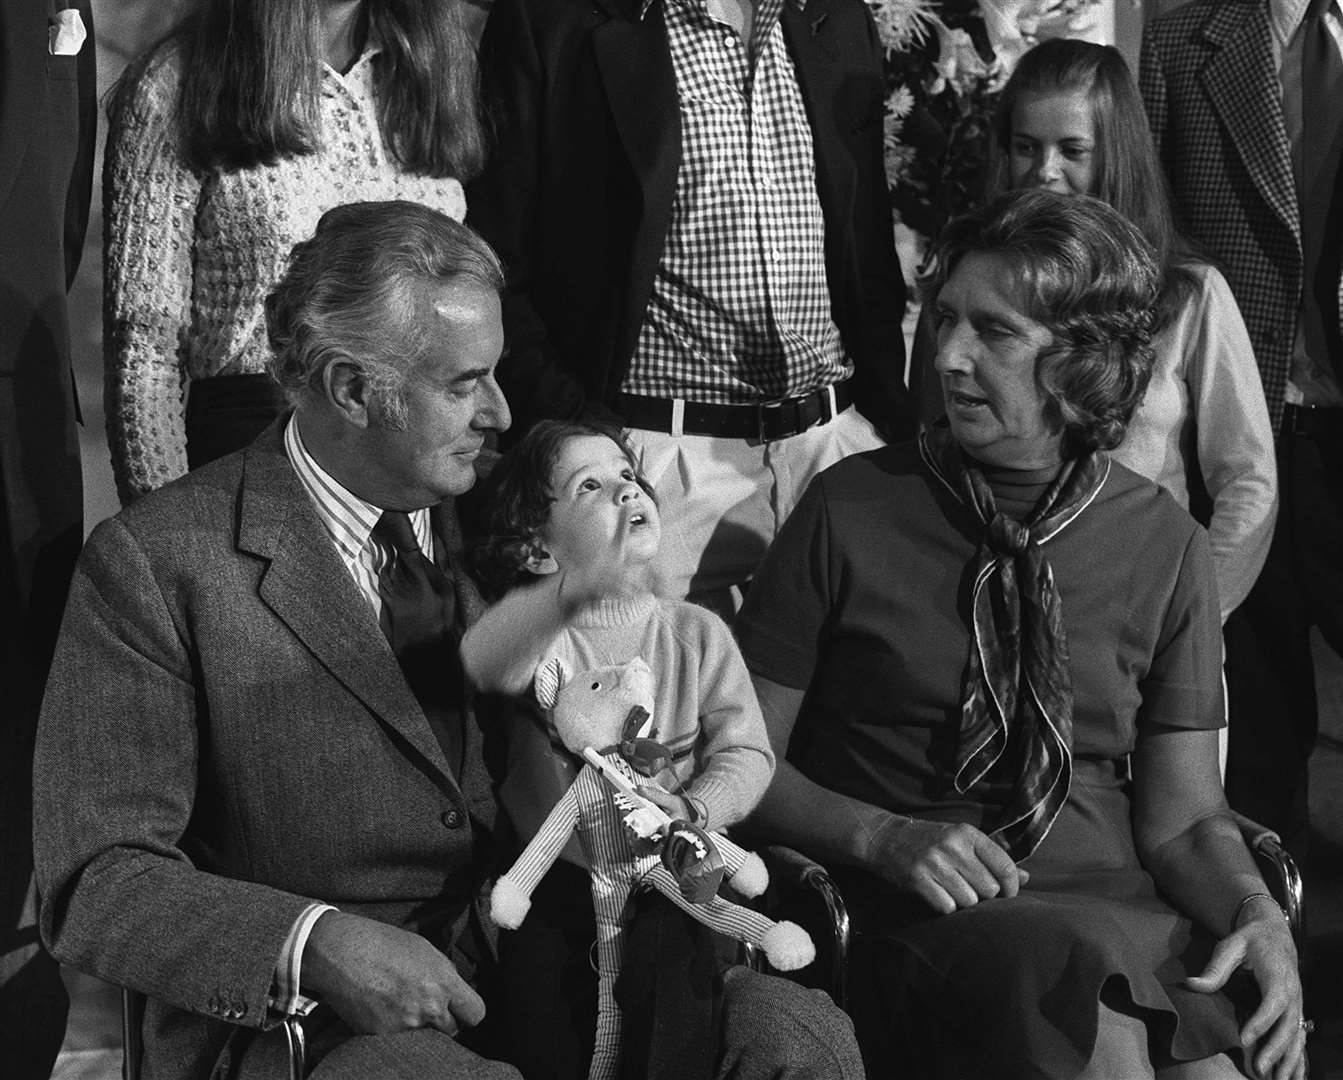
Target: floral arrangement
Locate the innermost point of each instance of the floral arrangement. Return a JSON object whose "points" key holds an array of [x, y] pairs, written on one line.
{"points": [[945, 62]]}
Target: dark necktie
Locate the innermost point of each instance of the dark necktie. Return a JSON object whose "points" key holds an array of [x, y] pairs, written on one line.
{"points": [[1321, 202], [418, 606]]}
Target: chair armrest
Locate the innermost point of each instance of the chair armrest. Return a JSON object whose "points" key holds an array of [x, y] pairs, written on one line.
{"points": [[802, 889], [133, 1046], [132, 1041], [1279, 870]]}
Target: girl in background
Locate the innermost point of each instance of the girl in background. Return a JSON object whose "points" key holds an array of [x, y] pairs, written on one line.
{"points": [[226, 142]]}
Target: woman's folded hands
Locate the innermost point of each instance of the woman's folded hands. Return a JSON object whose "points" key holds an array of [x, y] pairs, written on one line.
{"points": [[951, 866]]}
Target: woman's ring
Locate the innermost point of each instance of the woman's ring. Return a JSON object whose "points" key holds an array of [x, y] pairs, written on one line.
{"points": [[1305, 1025]]}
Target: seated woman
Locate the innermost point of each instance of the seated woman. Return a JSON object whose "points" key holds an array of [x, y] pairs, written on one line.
{"points": [[989, 665]]}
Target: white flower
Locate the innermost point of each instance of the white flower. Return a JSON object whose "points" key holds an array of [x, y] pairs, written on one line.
{"points": [[899, 102], [958, 62], [901, 23]]}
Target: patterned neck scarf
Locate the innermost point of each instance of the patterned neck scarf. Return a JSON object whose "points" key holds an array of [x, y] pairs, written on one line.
{"points": [[1017, 702]]}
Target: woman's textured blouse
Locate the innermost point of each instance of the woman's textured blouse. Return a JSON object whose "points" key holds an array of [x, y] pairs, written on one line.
{"points": [[190, 255]]}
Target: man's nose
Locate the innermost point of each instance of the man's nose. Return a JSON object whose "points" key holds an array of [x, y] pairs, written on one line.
{"points": [[628, 490], [493, 413]]}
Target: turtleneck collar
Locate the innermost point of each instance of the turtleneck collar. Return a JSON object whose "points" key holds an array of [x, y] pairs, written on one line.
{"points": [[615, 611]]}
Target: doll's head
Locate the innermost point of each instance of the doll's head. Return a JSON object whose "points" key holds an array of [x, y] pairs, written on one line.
{"points": [[568, 496], [601, 707]]}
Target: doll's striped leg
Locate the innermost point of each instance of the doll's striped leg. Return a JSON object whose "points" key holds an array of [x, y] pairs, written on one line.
{"points": [[743, 868], [608, 902], [786, 945]]}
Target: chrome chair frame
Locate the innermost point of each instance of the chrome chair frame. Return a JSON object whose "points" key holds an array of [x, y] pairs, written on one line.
{"points": [[133, 1046]]}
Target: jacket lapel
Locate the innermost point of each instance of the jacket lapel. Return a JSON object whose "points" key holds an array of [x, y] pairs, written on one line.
{"points": [[636, 72], [809, 34], [308, 588], [1243, 86]]}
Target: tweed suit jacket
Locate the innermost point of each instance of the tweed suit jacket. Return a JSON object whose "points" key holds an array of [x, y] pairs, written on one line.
{"points": [[577, 194], [1214, 101], [226, 737]]}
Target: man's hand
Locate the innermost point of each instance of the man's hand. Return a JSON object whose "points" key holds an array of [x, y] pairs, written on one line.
{"points": [[949, 866], [381, 979]]}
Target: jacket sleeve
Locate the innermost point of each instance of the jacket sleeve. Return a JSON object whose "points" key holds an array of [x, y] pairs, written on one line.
{"points": [[115, 786], [1235, 441], [502, 204], [880, 378], [1152, 86]]}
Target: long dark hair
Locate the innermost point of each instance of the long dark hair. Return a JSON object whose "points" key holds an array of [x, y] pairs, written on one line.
{"points": [[251, 83], [1126, 168]]}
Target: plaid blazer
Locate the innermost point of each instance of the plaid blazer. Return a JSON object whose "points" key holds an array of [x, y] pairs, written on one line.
{"points": [[1215, 105]]}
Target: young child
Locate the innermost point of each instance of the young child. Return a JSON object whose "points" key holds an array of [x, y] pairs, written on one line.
{"points": [[573, 539]]}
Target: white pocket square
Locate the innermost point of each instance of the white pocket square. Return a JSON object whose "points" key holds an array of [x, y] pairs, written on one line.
{"points": [[65, 33]]}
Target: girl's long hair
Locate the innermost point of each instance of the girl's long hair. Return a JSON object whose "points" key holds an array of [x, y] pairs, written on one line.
{"points": [[1127, 171], [251, 83]]}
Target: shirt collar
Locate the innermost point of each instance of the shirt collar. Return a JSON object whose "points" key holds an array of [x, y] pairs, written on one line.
{"points": [[644, 6], [1286, 16], [348, 518], [371, 49]]}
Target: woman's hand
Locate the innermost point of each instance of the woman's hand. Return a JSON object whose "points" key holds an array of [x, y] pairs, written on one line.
{"points": [[1273, 1038], [949, 866]]}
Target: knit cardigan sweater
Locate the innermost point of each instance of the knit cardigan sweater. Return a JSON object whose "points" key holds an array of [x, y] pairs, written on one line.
{"points": [[189, 255]]}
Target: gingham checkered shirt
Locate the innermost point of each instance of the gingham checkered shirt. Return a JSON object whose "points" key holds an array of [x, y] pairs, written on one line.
{"points": [[740, 308]]}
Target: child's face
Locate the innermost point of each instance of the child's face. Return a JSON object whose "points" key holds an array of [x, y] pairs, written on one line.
{"points": [[600, 516]]}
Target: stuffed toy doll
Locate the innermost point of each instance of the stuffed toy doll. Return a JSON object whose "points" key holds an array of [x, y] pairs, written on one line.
{"points": [[601, 715]]}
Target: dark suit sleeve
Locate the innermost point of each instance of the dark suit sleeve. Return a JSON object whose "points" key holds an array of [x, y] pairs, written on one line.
{"points": [[882, 394], [80, 187], [1152, 85], [115, 787], [502, 204]]}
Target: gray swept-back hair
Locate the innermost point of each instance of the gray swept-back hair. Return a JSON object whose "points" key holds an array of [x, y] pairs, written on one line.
{"points": [[347, 294]]}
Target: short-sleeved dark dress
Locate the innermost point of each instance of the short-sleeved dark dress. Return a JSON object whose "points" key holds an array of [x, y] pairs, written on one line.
{"points": [[864, 601]]}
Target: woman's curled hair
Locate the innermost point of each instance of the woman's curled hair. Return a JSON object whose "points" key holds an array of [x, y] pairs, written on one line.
{"points": [[1093, 281]]}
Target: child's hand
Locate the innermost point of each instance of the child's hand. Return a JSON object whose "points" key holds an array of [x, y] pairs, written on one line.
{"points": [[674, 806]]}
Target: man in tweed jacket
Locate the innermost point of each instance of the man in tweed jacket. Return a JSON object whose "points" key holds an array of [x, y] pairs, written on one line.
{"points": [[240, 803], [1222, 82]]}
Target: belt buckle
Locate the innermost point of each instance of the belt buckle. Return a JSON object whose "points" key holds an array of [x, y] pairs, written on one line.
{"points": [[760, 416]]}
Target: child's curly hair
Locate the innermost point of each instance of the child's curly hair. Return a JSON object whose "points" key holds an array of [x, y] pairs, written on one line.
{"points": [[518, 498]]}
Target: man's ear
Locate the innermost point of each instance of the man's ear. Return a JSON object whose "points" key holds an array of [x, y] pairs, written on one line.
{"points": [[347, 389]]}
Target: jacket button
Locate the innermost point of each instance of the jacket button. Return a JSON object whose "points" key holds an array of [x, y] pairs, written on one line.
{"points": [[452, 819]]}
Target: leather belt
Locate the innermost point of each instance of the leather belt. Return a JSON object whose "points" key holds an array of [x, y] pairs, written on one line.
{"points": [[1311, 420], [763, 421]]}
